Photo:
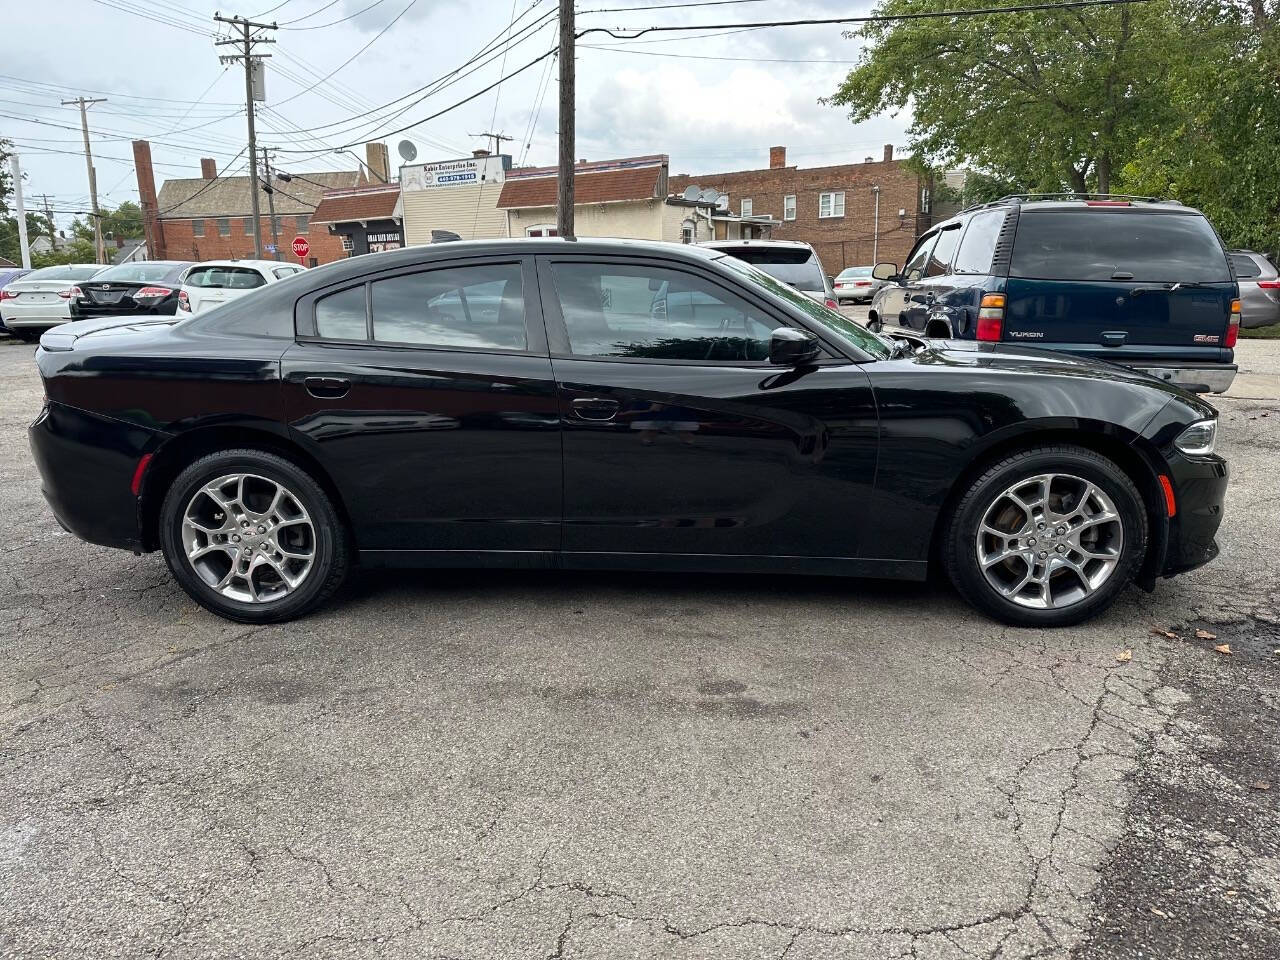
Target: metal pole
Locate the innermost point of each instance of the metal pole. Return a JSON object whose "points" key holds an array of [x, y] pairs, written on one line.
{"points": [[271, 203], [564, 190], [20, 210], [84, 104], [875, 237]]}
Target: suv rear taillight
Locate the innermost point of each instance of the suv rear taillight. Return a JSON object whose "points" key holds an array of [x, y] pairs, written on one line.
{"points": [[184, 302], [991, 317], [1269, 284], [1233, 325]]}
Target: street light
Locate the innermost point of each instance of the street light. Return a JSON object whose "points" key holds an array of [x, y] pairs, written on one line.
{"points": [[372, 172]]}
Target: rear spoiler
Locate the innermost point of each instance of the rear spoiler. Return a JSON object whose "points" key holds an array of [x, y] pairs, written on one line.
{"points": [[63, 337]]}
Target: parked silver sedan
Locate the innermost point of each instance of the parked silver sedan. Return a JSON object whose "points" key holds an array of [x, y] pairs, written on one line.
{"points": [[42, 299], [856, 284], [1259, 288]]}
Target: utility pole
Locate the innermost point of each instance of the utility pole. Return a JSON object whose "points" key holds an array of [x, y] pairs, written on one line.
{"points": [[564, 181], [84, 103], [20, 210], [269, 184], [247, 41], [875, 237], [496, 138], [46, 205]]}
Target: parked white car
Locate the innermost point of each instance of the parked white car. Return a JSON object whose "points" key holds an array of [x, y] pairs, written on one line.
{"points": [[42, 298], [206, 285]]}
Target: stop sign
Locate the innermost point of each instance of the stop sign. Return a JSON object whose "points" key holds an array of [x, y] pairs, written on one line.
{"points": [[300, 247]]}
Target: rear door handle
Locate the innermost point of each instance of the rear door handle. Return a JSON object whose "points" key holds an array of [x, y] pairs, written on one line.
{"points": [[327, 388], [595, 408]]}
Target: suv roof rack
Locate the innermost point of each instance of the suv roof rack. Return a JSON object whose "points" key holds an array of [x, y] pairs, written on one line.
{"points": [[1019, 198]]}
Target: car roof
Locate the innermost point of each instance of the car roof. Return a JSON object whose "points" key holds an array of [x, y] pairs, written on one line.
{"points": [[730, 244], [263, 264]]}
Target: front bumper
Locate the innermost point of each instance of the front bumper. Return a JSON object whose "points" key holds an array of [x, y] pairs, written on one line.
{"points": [[1199, 486], [86, 465], [1206, 378]]}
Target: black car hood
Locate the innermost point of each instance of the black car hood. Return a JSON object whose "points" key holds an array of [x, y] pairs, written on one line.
{"points": [[64, 336]]}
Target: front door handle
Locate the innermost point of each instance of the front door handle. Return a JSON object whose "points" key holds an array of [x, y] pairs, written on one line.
{"points": [[595, 408], [327, 388], [1113, 338]]}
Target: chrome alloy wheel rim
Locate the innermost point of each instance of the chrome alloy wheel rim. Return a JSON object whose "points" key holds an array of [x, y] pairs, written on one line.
{"points": [[249, 538], [1049, 541]]}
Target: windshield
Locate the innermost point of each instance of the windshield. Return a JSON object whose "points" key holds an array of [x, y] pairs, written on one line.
{"points": [[852, 272], [796, 266], [835, 322], [137, 272]]}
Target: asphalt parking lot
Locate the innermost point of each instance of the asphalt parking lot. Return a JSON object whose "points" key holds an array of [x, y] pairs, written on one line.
{"points": [[506, 764]]}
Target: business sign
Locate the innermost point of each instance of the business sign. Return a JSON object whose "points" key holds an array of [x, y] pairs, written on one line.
{"points": [[452, 173], [384, 240]]}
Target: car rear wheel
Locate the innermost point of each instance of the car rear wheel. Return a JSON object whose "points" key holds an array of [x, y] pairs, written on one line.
{"points": [[1046, 537], [252, 537]]}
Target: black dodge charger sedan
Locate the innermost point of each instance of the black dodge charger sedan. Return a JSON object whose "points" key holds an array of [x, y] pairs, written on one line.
{"points": [[609, 404]]}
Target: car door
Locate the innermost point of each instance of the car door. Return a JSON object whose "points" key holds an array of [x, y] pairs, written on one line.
{"points": [[427, 394], [683, 445], [896, 300]]}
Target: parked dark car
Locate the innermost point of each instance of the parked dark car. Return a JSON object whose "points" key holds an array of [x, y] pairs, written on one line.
{"points": [[1259, 288], [364, 412], [1129, 280], [130, 289]]}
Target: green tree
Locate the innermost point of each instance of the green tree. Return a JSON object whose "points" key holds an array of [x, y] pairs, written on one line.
{"points": [[1047, 99]]}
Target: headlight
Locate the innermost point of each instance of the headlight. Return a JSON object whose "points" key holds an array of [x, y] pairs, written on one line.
{"points": [[1198, 439]]}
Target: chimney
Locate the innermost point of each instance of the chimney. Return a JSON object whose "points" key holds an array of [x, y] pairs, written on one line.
{"points": [[208, 169], [479, 153], [777, 158], [152, 229], [375, 157], [888, 152]]}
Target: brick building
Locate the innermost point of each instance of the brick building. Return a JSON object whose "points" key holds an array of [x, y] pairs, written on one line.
{"points": [[210, 217], [833, 208]]}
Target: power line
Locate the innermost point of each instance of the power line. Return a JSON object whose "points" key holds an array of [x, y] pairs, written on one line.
{"points": [[313, 13], [621, 48], [115, 95], [331, 23]]}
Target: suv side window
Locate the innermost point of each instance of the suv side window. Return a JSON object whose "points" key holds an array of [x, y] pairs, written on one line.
{"points": [[978, 248], [1244, 266], [943, 250], [652, 313], [914, 267]]}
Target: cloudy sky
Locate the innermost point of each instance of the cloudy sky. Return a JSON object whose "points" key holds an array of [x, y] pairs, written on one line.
{"points": [[713, 100]]}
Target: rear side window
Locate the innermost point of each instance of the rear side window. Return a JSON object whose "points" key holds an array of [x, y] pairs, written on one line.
{"points": [[1245, 267], [943, 251], [478, 306], [978, 248], [341, 316], [1117, 245], [798, 267], [225, 278]]}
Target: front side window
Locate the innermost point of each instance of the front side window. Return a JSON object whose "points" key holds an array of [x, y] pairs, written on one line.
{"points": [[942, 253], [1123, 244], [478, 306], [914, 267], [978, 248], [197, 228], [831, 204], [747, 206], [789, 207], [341, 316], [653, 313]]}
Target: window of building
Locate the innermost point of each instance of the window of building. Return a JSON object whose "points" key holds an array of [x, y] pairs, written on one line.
{"points": [[747, 206], [789, 207], [348, 244], [652, 313], [248, 226], [341, 316], [224, 226], [478, 306], [277, 224], [542, 230], [197, 228], [831, 204], [688, 231], [302, 223]]}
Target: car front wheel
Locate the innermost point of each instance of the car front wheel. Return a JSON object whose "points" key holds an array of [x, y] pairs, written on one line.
{"points": [[252, 537], [1046, 537]]}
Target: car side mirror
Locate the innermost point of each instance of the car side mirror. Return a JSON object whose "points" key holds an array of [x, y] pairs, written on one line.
{"points": [[789, 347], [885, 271]]}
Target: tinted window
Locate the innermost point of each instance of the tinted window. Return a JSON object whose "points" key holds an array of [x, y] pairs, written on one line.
{"points": [[282, 272], [138, 272], [226, 278], [943, 250], [978, 248], [480, 306], [914, 268], [341, 316], [1104, 245], [1245, 266], [797, 266], [613, 310]]}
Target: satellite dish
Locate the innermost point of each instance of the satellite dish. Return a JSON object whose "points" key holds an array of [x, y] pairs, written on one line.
{"points": [[408, 152], [709, 195], [691, 192], [722, 201]]}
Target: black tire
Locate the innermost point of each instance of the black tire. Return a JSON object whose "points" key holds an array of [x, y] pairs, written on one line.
{"points": [[959, 548], [331, 549], [26, 334]]}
